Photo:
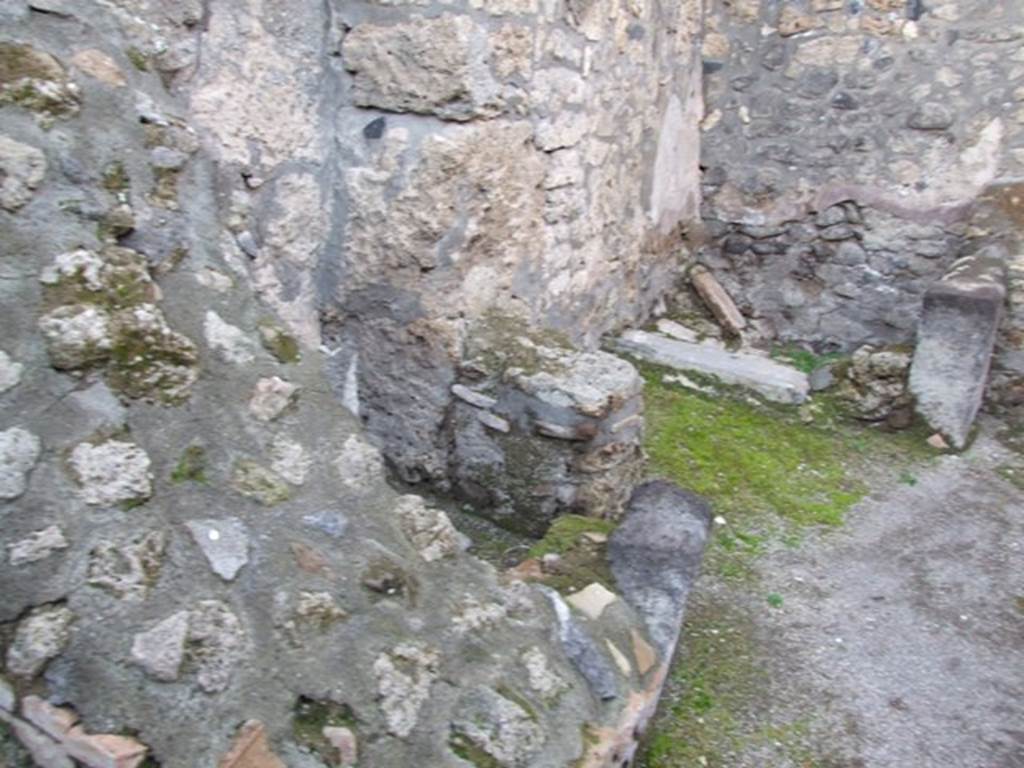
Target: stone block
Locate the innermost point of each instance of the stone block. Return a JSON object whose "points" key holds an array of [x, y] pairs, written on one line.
{"points": [[7, 697], [37, 546], [40, 636], [19, 452], [344, 741], [161, 650], [429, 66], [22, 169], [768, 378], [592, 600], [655, 556], [225, 543], [955, 339]]}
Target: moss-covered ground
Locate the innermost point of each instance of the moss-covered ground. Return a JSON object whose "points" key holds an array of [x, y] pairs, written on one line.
{"points": [[773, 474], [769, 471]]}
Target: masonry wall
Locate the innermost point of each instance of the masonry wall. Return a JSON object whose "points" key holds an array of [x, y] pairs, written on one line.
{"points": [[394, 169], [227, 227], [845, 147]]}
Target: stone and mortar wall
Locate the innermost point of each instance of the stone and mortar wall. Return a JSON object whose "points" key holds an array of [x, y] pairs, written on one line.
{"points": [[529, 157], [844, 149], [389, 171], [201, 559]]}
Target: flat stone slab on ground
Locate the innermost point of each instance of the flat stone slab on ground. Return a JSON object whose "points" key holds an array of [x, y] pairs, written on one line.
{"points": [[955, 339], [774, 381]]}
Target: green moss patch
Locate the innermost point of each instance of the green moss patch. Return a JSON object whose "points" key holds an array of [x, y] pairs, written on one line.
{"points": [[311, 717], [257, 482], [581, 546], [568, 532], [772, 473], [745, 458], [12, 754], [138, 59], [471, 753], [803, 359], [36, 81], [115, 177], [499, 341], [768, 470], [718, 700], [191, 467], [282, 345]]}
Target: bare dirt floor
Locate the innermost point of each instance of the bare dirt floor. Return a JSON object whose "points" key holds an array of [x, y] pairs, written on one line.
{"points": [[895, 640]]}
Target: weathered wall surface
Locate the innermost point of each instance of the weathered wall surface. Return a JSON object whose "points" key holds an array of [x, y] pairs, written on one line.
{"points": [[213, 213], [844, 146], [392, 170], [533, 158]]}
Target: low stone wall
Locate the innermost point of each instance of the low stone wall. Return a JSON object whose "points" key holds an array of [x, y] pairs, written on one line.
{"points": [[541, 429]]}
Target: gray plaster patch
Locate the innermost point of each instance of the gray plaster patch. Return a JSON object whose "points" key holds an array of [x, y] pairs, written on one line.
{"points": [[224, 542]]}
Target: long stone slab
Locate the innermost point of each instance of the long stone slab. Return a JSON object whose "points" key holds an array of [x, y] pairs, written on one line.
{"points": [[959, 323], [774, 381]]}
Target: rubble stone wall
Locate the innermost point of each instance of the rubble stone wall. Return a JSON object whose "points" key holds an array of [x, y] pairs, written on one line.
{"points": [[845, 147], [227, 227], [529, 157]]}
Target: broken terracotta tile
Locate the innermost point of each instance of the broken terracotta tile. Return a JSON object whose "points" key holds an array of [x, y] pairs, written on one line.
{"points": [[251, 749], [55, 721], [104, 750]]}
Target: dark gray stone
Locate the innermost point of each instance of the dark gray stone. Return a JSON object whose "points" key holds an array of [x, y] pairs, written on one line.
{"points": [[955, 339], [583, 651], [655, 555]]}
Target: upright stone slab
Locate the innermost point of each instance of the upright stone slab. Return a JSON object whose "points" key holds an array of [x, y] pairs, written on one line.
{"points": [[958, 330], [655, 556]]}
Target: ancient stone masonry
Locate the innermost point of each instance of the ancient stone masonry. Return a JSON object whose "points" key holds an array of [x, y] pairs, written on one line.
{"points": [[529, 158], [541, 429], [255, 254], [845, 147]]}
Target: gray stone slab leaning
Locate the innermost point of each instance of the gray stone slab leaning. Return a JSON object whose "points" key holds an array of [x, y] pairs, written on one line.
{"points": [[957, 334]]}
